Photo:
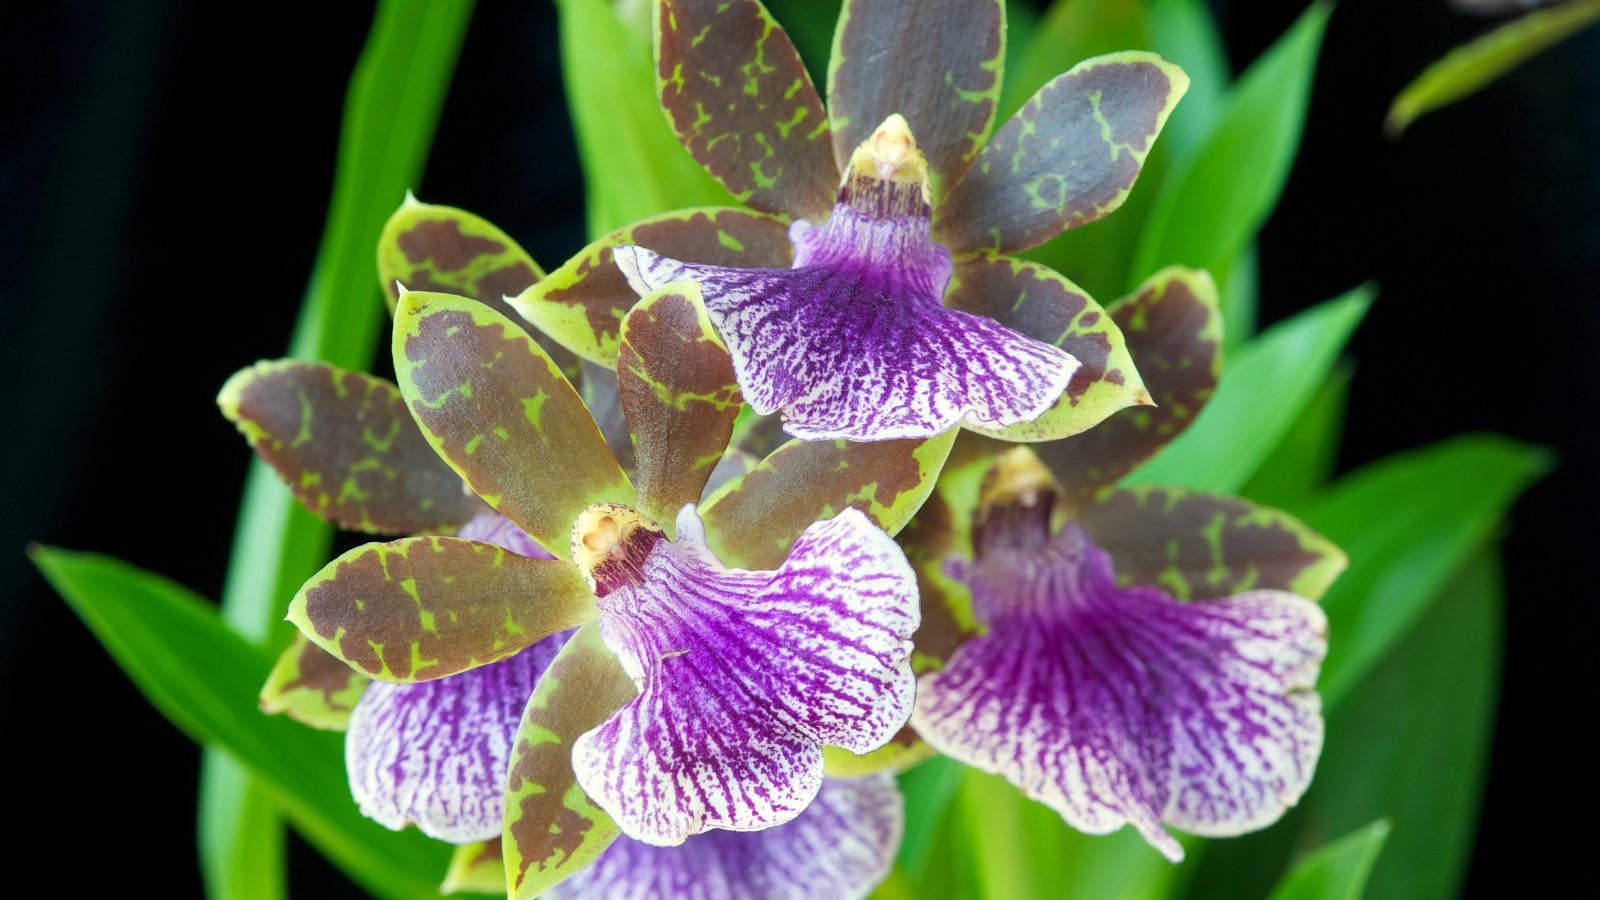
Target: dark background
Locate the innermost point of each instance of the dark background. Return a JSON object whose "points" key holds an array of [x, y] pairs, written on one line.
{"points": [[163, 184]]}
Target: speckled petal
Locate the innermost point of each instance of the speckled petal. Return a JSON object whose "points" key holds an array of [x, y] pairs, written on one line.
{"points": [[435, 754], [1122, 706], [744, 675], [838, 849], [864, 349]]}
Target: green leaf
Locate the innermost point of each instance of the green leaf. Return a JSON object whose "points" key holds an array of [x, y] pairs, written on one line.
{"points": [[1211, 205], [346, 446], [1303, 461], [1263, 390], [1200, 546], [680, 396], [312, 687], [1172, 329], [242, 837], [501, 414], [1039, 303], [422, 608], [1338, 871], [476, 869], [1409, 522], [552, 830], [633, 165], [1096, 122], [205, 677], [581, 304], [1412, 741], [1476, 64], [741, 101], [939, 66], [1184, 32], [929, 789], [390, 111], [753, 520], [1070, 32]]}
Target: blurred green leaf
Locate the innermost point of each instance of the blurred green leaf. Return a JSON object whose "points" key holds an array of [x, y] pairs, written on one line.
{"points": [[1184, 32], [1069, 32], [1211, 205], [1412, 742], [633, 165], [391, 108], [1241, 288], [810, 24], [1408, 522], [205, 678], [1476, 64], [1335, 872], [1264, 387], [1303, 460], [929, 790]]}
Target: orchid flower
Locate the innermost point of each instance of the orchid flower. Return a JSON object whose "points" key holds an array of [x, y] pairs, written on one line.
{"points": [[1141, 654], [879, 303], [807, 647]]}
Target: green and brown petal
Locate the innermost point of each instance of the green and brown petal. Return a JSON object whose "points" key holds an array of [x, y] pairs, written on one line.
{"points": [[552, 830], [937, 62], [440, 248], [754, 519], [312, 687], [1067, 158], [1038, 302], [502, 415], [476, 869], [744, 106], [346, 447], [1173, 328], [680, 396], [1200, 546], [422, 608], [581, 304]]}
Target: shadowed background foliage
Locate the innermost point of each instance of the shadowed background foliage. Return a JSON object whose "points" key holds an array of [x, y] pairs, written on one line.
{"points": [[164, 183]]}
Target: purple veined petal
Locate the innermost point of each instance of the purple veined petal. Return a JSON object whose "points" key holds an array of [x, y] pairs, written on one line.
{"points": [[1116, 705], [838, 849], [854, 340], [743, 676], [434, 754], [493, 528]]}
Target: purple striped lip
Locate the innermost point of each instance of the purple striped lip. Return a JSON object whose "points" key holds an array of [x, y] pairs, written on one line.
{"points": [[854, 341], [743, 676], [1118, 705]]}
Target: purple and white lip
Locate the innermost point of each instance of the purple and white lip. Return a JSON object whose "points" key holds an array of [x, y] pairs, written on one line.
{"points": [[854, 340], [1118, 705], [743, 675]]}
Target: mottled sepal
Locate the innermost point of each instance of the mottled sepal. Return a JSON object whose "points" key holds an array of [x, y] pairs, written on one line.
{"points": [[502, 415], [582, 303], [478, 868], [1124, 706], [741, 101], [1036, 301], [937, 63], [346, 447], [1067, 158], [552, 829], [435, 754], [1199, 546], [755, 518], [312, 687], [1173, 328], [745, 674], [840, 848], [680, 396], [422, 608], [610, 543], [448, 250]]}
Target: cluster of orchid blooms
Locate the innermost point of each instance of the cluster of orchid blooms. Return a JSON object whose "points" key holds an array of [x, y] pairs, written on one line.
{"points": [[635, 649]]}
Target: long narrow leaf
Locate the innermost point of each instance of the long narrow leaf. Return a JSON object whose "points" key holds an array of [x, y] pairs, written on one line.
{"points": [[393, 103], [1338, 871], [205, 678], [1264, 387], [1211, 206]]}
